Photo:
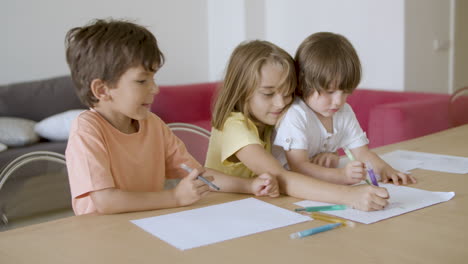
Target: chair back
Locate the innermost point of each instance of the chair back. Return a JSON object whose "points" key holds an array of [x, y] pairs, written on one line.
{"points": [[196, 141], [34, 188], [195, 138], [458, 107]]}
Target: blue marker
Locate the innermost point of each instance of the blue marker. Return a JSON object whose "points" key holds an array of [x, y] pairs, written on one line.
{"points": [[371, 173], [322, 208], [314, 230]]}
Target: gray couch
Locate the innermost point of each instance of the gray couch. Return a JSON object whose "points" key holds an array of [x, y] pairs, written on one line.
{"points": [[35, 191], [35, 101]]}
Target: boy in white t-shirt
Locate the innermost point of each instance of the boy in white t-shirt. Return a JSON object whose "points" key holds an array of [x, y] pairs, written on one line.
{"points": [[319, 122]]}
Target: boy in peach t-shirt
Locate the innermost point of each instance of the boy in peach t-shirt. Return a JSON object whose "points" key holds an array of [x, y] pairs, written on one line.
{"points": [[119, 153]]}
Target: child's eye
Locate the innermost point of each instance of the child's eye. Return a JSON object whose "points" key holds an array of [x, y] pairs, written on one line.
{"points": [[268, 94], [141, 81]]}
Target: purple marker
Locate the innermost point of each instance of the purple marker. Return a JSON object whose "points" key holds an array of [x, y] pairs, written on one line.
{"points": [[371, 173]]}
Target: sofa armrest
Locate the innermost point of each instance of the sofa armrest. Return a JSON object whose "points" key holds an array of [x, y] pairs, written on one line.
{"points": [[185, 103], [395, 122]]}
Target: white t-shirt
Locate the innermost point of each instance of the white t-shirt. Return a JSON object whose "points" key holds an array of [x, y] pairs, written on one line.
{"points": [[301, 129]]}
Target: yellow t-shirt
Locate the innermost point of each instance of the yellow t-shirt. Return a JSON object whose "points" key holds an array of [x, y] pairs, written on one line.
{"points": [[234, 136]]}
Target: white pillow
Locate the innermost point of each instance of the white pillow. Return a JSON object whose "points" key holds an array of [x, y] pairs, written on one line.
{"points": [[57, 127], [15, 132], [3, 147]]}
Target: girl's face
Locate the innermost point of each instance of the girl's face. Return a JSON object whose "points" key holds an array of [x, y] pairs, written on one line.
{"points": [[269, 99], [327, 103]]}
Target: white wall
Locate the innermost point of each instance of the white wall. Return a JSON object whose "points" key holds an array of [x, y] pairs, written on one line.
{"points": [[393, 38], [34, 31], [226, 29], [375, 28]]}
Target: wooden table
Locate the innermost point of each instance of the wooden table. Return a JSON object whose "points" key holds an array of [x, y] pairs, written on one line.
{"points": [[436, 234]]}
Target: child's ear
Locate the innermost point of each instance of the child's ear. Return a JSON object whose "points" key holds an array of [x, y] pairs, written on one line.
{"points": [[100, 89]]}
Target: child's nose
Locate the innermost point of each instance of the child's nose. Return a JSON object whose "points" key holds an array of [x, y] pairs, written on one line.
{"points": [[338, 99], [280, 101], [155, 89]]}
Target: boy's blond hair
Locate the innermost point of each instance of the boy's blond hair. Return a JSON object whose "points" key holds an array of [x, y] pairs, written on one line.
{"points": [[105, 49], [325, 60], [243, 75]]}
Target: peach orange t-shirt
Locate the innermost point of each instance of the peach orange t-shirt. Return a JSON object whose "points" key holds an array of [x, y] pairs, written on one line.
{"points": [[99, 156]]}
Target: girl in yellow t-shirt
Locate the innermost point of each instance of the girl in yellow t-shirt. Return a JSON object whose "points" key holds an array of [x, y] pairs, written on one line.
{"points": [[257, 89]]}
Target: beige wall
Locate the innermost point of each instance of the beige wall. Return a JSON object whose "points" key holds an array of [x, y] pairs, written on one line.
{"points": [[427, 44], [461, 45]]}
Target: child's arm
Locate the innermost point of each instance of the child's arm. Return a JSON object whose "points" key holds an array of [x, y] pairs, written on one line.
{"points": [[326, 159], [112, 200], [362, 197], [299, 162], [386, 172], [263, 185]]}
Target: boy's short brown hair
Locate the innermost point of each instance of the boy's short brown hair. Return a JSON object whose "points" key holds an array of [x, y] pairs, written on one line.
{"points": [[325, 60], [105, 49]]}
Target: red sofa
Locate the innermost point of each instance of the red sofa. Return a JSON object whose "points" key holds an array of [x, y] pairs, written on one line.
{"points": [[390, 117], [386, 116], [191, 103]]}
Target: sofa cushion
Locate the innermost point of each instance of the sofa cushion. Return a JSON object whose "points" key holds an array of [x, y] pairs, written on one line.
{"points": [[57, 127], [16, 132], [37, 100], [3, 147]]}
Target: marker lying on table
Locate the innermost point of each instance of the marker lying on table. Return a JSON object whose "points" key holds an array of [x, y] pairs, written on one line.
{"points": [[371, 173], [322, 208], [331, 219], [314, 230], [203, 179], [351, 158]]}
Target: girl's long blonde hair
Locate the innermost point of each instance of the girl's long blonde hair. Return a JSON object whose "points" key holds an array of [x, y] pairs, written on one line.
{"points": [[243, 75]]}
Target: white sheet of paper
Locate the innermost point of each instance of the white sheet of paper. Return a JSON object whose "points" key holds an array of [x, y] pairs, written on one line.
{"points": [[402, 200], [216, 223], [429, 161], [405, 160]]}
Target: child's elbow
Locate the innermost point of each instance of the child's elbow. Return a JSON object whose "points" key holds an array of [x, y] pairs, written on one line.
{"points": [[103, 202]]}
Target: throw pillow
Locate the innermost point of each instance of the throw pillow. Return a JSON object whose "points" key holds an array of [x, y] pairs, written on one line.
{"points": [[57, 127], [15, 132], [3, 147]]}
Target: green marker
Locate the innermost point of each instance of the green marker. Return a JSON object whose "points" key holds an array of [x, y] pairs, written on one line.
{"points": [[351, 158], [322, 208]]}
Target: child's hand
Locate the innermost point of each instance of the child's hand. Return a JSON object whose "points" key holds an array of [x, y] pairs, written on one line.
{"points": [[326, 159], [390, 174], [368, 198], [265, 185], [190, 189], [354, 172]]}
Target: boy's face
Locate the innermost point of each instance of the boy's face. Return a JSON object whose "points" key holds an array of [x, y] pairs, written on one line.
{"points": [[327, 103], [269, 99], [133, 94]]}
